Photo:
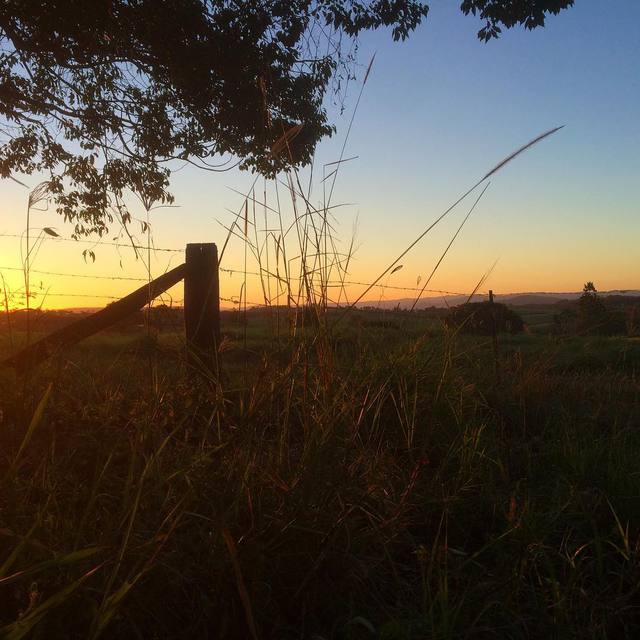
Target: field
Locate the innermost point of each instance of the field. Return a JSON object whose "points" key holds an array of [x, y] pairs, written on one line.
{"points": [[385, 478]]}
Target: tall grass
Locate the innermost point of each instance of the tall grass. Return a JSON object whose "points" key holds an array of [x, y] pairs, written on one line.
{"points": [[398, 490]]}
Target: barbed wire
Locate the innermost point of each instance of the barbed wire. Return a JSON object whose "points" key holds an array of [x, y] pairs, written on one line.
{"points": [[49, 294], [76, 275], [236, 302], [331, 284], [233, 301], [98, 243], [229, 270], [105, 277], [69, 274], [59, 294], [338, 283]]}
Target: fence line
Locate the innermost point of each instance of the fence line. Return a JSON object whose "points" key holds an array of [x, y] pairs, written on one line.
{"points": [[331, 284], [237, 300], [233, 300], [87, 326], [201, 304], [229, 270], [90, 295], [95, 243], [75, 275], [103, 277], [339, 283]]}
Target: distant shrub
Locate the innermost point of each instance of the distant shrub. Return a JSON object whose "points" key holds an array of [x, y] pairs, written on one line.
{"points": [[479, 318]]}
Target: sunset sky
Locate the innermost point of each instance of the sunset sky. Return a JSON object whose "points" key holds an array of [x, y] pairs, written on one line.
{"points": [[437, 112]]}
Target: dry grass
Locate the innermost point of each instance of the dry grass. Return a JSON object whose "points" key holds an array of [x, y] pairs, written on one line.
{"points": [[397, 490]]}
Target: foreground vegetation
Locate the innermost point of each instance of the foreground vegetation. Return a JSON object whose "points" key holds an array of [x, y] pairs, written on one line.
{"points": [[391, 479]]}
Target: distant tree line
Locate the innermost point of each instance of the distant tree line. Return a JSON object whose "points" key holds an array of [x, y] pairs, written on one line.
{"points": [[595, 315]]}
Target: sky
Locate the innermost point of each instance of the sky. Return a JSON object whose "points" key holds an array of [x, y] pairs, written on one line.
{"points": [[437, 112]]}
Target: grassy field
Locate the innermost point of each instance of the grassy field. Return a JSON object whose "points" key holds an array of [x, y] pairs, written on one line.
{"points": [[389, 479]]}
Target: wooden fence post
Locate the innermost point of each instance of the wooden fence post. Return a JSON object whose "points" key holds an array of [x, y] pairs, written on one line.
{"points": [[202, 303]]}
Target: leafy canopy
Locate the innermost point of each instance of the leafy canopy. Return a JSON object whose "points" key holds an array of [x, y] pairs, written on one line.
{"points": [[104, 95]]}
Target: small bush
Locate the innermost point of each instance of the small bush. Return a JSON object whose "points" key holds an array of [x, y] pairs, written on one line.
{"points": [[479, 318]]}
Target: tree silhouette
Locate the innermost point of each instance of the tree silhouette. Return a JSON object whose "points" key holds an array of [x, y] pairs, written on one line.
{"points": [[591, 310], [591, 316], [102, 95]]}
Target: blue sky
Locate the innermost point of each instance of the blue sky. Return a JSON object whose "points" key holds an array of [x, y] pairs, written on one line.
{"points": [[438, 111]]}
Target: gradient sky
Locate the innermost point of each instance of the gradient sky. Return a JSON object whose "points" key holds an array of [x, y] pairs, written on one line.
{"points": [[438, 112]]}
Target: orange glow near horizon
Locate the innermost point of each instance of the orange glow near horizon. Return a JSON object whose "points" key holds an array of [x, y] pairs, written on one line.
{"points": [[94, 285], [542, 247], [530, 260]]}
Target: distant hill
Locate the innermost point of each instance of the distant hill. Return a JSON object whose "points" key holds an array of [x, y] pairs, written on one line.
{"points": [[527, 299], [511, 299], [534, 298]]}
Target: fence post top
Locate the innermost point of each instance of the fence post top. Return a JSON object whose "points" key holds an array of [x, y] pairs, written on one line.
{"points": [[200, 246]]}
